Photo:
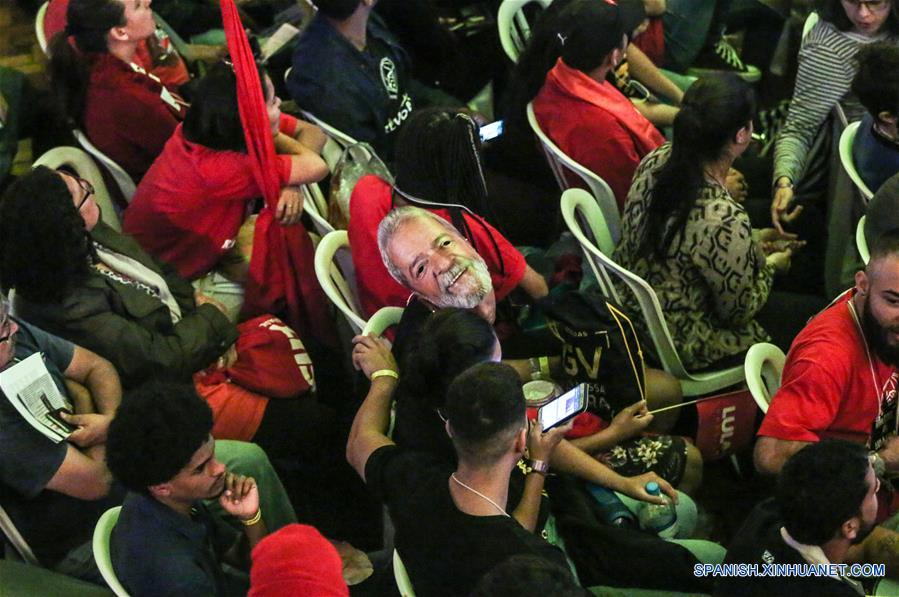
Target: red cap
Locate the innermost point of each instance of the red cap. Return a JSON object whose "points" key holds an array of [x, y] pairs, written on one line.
{"points": [[296, 560]]}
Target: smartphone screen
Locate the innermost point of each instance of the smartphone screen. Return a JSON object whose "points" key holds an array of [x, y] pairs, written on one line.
{"points": [[565, 407], [491, 131]]}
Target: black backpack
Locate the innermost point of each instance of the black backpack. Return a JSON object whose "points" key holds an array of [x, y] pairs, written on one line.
{"points": [[600, 348]]}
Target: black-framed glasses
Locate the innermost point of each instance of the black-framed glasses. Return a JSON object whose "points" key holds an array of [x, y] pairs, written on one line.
{"points": [[872, 5], [88, 189]]}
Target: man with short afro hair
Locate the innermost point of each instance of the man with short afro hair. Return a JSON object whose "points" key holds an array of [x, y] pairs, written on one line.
{"points": [[166, 542]]}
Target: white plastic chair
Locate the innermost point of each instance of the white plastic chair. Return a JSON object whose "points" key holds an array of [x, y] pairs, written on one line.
{"points": [[402, 577], [337, 139], [763, 368], [559, 162], [84, 166], [514, 29], [334, 280], [16, 540], [578, 202], [100, 545], [810, 21], [39, 26], [861, 242], [315, 204], [126, 185], [847, 139], [382, 319]]}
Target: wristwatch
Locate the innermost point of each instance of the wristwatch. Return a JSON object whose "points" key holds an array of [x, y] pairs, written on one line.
{"points": [[538, 466]]}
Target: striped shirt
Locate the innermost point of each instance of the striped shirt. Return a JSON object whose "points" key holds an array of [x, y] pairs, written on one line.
{"points": [[827, 66]]}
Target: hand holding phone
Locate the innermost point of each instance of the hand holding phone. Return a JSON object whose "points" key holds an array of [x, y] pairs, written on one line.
{"points": [[564, 408]]}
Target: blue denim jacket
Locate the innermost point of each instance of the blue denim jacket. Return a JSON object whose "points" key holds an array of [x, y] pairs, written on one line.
{"points": [[362, 95]]}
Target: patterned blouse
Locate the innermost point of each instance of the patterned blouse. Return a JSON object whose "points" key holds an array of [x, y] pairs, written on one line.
{"points": [[714, 279]]}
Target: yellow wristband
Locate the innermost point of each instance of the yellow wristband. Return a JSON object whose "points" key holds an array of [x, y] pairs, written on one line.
{"points": [[385, 373], [256, 518]]}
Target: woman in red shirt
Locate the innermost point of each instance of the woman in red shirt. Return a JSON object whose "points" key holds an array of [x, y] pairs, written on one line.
{"points": [[127, 113], [188, 209]]}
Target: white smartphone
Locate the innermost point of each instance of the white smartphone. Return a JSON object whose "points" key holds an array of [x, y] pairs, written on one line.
{"points": [[491, 131], [564, 408]]}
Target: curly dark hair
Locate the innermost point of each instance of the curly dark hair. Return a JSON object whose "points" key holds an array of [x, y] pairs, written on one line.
{"points": [[44, 248], [821, 487], [155, 432]]}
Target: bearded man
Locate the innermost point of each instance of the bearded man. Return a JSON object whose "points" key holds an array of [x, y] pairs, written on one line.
{"points": [[840, 376]]}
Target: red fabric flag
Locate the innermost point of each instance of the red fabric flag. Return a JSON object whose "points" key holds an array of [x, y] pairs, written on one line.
{"points": [[282, 274]]}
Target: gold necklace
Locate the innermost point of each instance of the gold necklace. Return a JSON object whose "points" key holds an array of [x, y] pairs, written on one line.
{"points": [[861, 331]]}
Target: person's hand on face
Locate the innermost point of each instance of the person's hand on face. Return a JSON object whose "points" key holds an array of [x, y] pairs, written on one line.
{"points": [[241, 496]]}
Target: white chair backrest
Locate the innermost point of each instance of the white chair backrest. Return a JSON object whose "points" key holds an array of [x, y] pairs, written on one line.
{"points": [[16, 540], [402, 577], [514, 29], [580, 212], [861, 242], [577, 202], [810, 21], [39, 26], [84, 166], [339, 283], [100, 546], [847, 139], [559, 162], [126, 185], [315, 204], [383, 318], [763, 368]]}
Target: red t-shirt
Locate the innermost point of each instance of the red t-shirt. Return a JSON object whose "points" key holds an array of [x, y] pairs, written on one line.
{"points": [[125, 114], [827, 388], [189, 207], [370, 202], [173, 75], [596, 126]]}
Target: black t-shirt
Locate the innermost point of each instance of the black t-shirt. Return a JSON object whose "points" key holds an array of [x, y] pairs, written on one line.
{"points": [[444, 550], [759, 542], [51, 523]]}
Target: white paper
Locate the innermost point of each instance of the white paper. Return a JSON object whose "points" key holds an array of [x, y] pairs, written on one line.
{"points": [[31, 390]]}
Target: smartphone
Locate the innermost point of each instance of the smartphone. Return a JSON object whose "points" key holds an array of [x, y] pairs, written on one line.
{"points": [[564, 408], [491, 131]]}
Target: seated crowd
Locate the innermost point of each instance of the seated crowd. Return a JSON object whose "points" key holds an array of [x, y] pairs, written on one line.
{"points": [[196, 386]]}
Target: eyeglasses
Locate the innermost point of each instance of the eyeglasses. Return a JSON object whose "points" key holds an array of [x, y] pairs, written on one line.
{"points": [[872, 5], [88, 189]]}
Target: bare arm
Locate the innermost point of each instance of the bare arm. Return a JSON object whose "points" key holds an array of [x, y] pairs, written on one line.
{"points": [[540, 447], [642, 69], [369, 430], [81, 477], [771, 453], [533, 284], [311, 136], [569, 459], [99, 377]]}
